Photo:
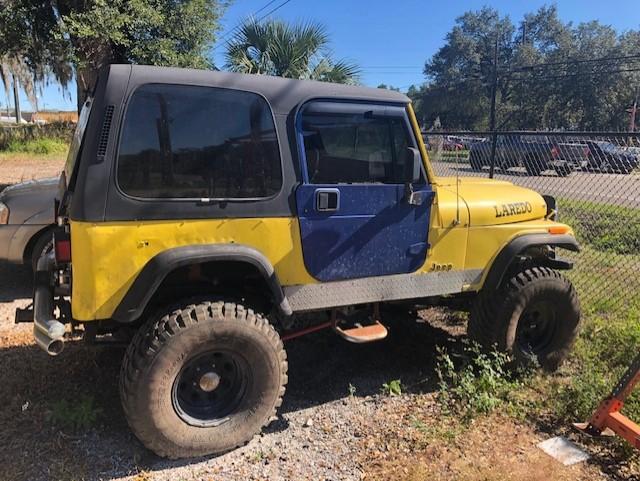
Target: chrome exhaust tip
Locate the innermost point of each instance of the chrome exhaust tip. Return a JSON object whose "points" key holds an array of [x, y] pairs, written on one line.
{"points": [[51, 346]]}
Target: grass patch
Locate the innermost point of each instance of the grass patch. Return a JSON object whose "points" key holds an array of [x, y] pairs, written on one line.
{"points": [[43, 146], [606, 227], [77, 415]]}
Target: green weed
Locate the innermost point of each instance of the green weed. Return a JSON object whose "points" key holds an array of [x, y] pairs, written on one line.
{"points": [[477, 383], [77, 415], [351, 389], [392, 388]]}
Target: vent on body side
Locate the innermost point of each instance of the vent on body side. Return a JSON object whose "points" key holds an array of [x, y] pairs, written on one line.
{"points": [[104, 133]]}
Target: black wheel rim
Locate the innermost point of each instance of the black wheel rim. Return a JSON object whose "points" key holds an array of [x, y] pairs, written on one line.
{"points": [[210, 388], [536, 327]]}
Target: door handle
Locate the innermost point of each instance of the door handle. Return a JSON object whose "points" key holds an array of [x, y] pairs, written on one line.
{"points": [[327, 200]]}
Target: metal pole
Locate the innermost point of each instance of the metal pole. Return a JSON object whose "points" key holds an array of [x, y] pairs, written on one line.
{"points": [[634, 109], [492, 117], [16, 100]]}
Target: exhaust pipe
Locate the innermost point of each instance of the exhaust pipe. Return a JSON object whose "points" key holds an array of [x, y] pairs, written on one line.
{"points": [[47, 331]]}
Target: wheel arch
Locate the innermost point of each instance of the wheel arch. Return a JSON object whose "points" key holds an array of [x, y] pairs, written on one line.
{"points": [[158, 268], [33, 240], [520, 244]]}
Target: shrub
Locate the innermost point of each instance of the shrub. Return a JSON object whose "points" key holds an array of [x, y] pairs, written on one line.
{"points": [[39, 146], [480, 382]]}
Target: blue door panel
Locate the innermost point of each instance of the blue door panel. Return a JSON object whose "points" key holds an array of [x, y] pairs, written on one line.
{"points": [[374, 232]]}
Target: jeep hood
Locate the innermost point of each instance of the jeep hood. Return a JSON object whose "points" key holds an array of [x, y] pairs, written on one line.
{"points": [[493, 202]]}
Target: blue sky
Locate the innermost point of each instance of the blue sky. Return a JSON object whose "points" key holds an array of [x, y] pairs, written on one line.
{"points": [[389, 40]]}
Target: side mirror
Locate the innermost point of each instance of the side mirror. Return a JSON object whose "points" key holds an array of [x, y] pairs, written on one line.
{"points": [[412, 175], [412, 165]]}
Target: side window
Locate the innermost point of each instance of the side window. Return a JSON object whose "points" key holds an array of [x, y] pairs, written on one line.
{"points": [[354, 148], [198, 142]]}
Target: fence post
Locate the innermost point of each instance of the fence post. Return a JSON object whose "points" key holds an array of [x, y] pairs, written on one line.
{"points": [[492, 115], [494, 141]]}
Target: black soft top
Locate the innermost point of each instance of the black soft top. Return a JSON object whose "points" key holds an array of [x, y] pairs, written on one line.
{"points": [[282, 94], [96, 196]]}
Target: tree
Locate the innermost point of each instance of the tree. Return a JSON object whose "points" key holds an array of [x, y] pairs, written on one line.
{"points": [[546, 76], [57, 37], [297, 51]]}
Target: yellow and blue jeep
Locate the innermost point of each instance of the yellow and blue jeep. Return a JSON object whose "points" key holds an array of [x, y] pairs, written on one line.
{"points": [[216, 215]]}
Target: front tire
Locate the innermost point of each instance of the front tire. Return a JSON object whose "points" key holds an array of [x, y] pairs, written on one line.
{"points": [[535, 316], [203, 379]]}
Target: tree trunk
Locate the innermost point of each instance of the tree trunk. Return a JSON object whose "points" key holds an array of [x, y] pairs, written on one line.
{"points": [[85, 80], [16, 100]]}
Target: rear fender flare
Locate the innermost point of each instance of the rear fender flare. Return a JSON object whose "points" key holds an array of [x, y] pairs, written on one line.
{"points": [[517, 246], [156, 270]]}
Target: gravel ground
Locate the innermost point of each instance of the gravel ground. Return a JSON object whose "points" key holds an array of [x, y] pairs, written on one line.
{"points": [[334, 424]]}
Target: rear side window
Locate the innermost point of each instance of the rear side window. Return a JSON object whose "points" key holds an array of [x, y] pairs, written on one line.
{"points": [[198, 142], [354, 148]]}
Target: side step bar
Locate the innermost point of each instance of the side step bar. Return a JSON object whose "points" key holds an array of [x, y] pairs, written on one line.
{"points": [[361, 334]]}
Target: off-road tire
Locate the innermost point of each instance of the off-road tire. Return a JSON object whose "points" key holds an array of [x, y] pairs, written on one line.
{"points": [[155, 359], [496, 315]]}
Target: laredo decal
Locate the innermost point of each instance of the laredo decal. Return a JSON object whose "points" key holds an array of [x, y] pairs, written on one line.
{"points": [[512, 209]]}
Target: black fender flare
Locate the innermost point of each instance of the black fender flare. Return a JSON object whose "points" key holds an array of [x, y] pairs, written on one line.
{"points": [[518, 245], [154, 272]]}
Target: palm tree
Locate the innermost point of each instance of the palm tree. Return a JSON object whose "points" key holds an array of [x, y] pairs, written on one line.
{"points": [[278, 48]]}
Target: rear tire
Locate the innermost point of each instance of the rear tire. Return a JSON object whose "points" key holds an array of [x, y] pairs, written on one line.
{"points": [[203, 379], [535, 316]]}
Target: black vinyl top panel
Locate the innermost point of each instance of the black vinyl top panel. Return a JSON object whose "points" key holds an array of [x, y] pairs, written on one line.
{"points": [[97, 195]]}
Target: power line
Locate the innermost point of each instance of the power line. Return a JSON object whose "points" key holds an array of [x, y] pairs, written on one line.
{"points": [[575, 74], [484, 80], [566, 62], [235, 29]]}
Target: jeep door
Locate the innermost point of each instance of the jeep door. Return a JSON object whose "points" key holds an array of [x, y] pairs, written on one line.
{"points": [[356, 218]]}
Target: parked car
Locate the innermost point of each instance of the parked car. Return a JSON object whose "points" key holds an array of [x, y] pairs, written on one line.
{"points": [[608, 157], [449, 144], [575, 151], [26, 215], [535, 153]]}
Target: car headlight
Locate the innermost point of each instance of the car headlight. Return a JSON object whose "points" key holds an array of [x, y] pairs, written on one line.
{"points": [[4, 213]]}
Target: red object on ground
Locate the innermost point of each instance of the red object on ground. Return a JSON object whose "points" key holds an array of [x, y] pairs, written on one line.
{"points": [[608, 417]]}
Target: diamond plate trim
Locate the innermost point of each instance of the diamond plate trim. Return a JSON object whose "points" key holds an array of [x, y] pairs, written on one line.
{"points": [[377, 289]]}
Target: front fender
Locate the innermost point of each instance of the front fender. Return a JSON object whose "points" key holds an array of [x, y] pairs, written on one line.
{"points": [[154, 272], [517, 246]]}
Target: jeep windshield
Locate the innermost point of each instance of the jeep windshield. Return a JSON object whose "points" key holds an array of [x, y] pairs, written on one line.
{"points": [[76, 142]]}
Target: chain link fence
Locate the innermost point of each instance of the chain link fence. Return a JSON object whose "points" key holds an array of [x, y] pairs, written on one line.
{"points": [[594, 176]]}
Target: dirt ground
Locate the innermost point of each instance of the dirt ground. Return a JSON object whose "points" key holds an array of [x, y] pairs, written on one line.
{"points": [[335, 423]]}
